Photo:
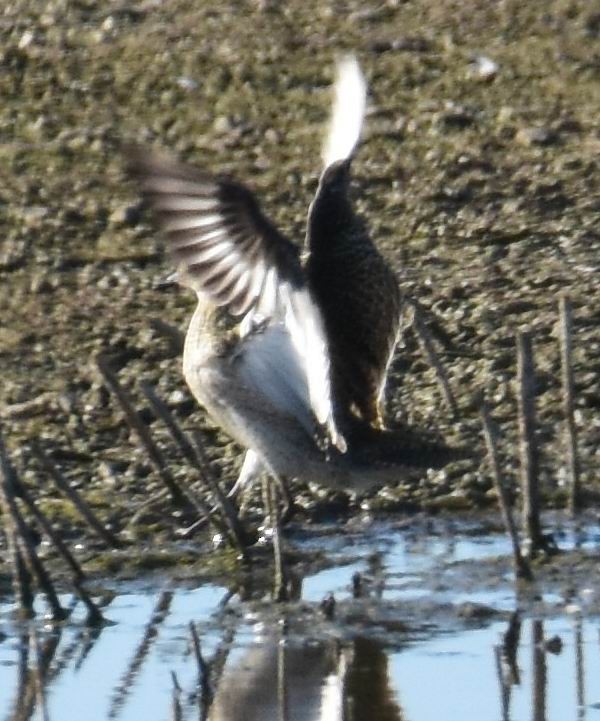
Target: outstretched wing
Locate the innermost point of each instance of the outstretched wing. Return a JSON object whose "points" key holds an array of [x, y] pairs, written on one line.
{"points": [[222, 243], [227, 249]]}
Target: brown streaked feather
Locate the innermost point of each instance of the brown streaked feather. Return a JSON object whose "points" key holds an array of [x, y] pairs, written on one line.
{"points": [[358, 296]]}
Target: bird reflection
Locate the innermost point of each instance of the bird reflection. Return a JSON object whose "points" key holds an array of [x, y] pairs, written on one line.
{"points": [[280, 680]]}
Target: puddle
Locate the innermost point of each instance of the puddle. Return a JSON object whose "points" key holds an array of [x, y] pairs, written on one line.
{"points": [[396, 652]]}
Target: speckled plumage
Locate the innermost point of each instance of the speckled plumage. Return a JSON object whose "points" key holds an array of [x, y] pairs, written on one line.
{"points": [[359, 298]]}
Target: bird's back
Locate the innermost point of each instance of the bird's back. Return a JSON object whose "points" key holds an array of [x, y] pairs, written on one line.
{"points": [[359, 298]]}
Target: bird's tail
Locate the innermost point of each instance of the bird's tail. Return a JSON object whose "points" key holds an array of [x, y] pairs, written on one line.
{"points": [[350, 95]]}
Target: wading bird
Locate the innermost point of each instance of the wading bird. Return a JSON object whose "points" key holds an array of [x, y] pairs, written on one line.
{"points": [[299, 382]]}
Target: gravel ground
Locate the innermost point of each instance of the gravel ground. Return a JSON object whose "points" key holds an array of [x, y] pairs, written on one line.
{"points": [[477, 174]]}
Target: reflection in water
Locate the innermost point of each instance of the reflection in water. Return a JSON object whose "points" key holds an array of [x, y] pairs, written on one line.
{"points": [[33, 673], [261, 672], [159, 614], [538, 700], [579, 668], [281, 680], [143, 664], [506, 663]]}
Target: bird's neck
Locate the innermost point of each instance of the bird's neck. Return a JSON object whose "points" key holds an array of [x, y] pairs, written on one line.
{"points": [[328, 218], [204, 338]]}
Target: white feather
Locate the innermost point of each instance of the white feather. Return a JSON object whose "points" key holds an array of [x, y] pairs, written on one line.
{"points": [[269, 365], [185, 223], [307, 332], [350, 96], [175, 203]]}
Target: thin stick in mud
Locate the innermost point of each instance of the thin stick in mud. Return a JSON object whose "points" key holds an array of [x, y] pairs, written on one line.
{"points": [[21, 580], [522, 568], [528, 450], [23, 535], [427, 346], [234, 525], [566, 353], [73, 495], [94, 615], [161, 410], [139, 427]]}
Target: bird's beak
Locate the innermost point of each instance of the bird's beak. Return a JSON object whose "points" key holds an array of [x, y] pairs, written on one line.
{"points": [[167, 282]]}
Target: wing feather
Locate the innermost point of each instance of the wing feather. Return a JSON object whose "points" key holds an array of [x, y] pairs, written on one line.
{"points": [[227, 249]]}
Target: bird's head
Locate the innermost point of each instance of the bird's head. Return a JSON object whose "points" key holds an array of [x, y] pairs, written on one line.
{"points": [[335, 180]]}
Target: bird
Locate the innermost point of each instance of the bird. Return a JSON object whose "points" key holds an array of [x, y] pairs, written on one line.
{"points": [[289, 382]]}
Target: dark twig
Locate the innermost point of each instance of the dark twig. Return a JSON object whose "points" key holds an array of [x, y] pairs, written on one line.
{"points": [[39, 678], [505, 686], [94, 615], [527, 444], [427, 346], [36, 567], [74, 496], [141, 430], [159, 614], [205, 698], [21, 580], [510, 646], [161, 410], [566, 349], [176, 714], [25, 496], [23, 534], [579, 664], [522, 569], [539, 671], [236, 530], [20, 577]]}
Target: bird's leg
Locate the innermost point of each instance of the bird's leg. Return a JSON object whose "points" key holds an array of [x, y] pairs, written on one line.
{"points": [[250, 472], [271, 487], [251, 469]]}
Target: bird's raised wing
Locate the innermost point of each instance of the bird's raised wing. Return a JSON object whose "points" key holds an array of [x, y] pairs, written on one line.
{"points": [[222, 243], [227, 249]]}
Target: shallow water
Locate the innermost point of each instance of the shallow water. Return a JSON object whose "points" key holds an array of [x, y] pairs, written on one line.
{"points": [[400, 649]]}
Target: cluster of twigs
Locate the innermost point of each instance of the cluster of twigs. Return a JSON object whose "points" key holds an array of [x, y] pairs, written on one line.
{"points": [[223, 516], [27, 565], [23, 516], [535, 540]]}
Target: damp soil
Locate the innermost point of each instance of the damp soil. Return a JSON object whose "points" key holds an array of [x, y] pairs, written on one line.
{"points": [[478, 179]]}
